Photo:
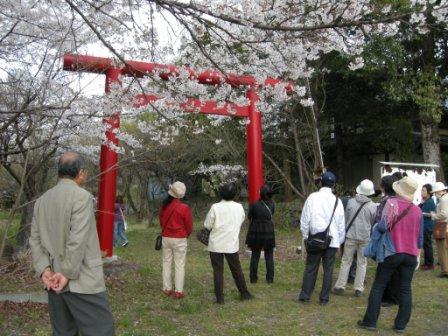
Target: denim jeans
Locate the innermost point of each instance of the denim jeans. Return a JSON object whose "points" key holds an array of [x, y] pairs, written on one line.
{"points": [[119, 231], [405, 265]]}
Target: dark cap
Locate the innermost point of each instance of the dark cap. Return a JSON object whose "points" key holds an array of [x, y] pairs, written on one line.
{"points": [[328, 177]]}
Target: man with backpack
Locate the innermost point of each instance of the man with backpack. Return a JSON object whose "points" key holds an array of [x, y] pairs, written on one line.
{"points": [[323, 228], [360, 217]]}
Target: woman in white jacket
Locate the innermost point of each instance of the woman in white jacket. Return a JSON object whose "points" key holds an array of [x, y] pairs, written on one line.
{"points": [[224, 221]]}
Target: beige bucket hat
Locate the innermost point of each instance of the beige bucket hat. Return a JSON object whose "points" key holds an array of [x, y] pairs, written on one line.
{"points": [[406, 188], [177, 190]]}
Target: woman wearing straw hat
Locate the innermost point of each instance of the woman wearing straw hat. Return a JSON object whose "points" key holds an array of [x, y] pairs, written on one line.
{"points": [[402, 222], [359, 218], [177, 224], [441, 217]]}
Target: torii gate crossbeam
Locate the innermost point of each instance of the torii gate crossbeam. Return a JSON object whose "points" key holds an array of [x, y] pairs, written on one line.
{"points": [[109, 158]]}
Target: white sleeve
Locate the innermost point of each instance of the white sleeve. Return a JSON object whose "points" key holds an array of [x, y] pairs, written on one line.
{"points": [[305, 218], [340, 221], [210, 219]]}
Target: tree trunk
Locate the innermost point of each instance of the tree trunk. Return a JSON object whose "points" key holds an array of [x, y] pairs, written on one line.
{"points": [[25, 226], [431, 147], [287, 170], [143, 195], [127, 192], [339, 153]]}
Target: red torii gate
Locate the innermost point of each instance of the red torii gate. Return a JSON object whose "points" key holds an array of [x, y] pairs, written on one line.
{"points": [[109, 158]]}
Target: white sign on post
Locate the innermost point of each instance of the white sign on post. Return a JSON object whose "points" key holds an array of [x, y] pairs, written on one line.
{"points": [[422, 173]]}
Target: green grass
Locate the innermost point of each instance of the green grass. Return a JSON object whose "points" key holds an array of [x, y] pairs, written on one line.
{"points": [[140, 308]]}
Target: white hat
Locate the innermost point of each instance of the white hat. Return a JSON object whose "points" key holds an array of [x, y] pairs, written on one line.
{"points": [[438, 186], [366, 188], [406, 188], [177, 189]]}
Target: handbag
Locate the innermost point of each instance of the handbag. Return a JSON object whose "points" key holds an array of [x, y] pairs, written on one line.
{"points": [[203, 236], [158, 245], [320, 241], [439, 231]]}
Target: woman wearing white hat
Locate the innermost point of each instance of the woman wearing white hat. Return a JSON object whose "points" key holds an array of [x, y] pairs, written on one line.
{"points": [[359, 216], [441, 217]]}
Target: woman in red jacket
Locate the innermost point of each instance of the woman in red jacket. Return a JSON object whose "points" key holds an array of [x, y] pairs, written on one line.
{"points": [[177, 224]]}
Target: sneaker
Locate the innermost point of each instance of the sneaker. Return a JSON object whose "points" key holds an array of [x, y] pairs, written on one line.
{"points": [[304, 301], [358, 293], [323, 302], [125, 244], [362, 325], [338, 291], [246, 296], [168, 292], [179, 295]]}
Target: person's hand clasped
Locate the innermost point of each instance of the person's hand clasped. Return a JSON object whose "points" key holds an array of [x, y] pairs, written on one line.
{"points": [[47, 278], [54, 281], [59, 282]]}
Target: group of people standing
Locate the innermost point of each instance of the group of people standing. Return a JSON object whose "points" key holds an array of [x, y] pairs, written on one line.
{"points": [[67, 257], [223, 221], [348, 224], [395, 229]]}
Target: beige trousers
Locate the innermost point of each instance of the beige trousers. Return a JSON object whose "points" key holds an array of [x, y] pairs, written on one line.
{"points": [[350, 247], [174, 249], [442, 255]]}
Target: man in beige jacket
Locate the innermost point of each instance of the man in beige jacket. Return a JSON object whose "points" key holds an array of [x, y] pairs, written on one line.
{"points": [[66, 254], [440, 190]]}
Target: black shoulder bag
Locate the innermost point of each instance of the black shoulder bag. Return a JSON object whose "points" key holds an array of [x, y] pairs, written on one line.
{"points": [[319, 242]]}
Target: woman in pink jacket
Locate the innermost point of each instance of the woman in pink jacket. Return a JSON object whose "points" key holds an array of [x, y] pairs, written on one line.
{"points": [[404, 224]]}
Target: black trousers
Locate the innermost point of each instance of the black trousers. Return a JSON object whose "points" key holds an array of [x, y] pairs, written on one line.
{"points": [[255, 259], [233, 260], [74, 313], [427, 248], [311, 269], [405, 265]]}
